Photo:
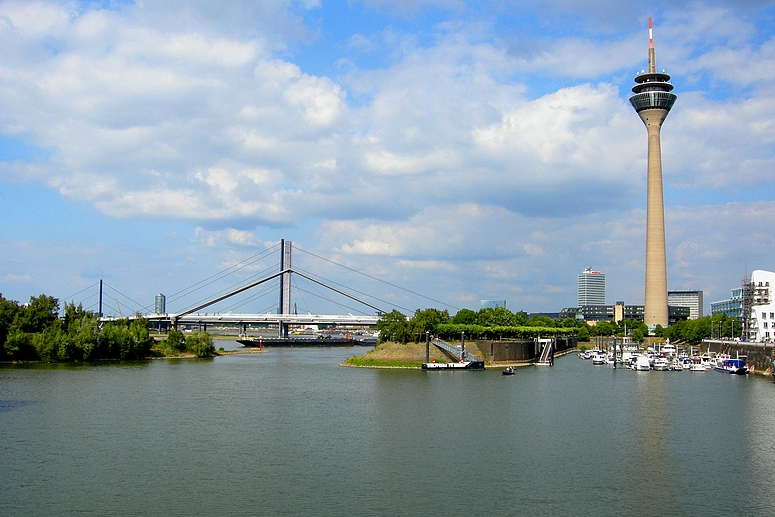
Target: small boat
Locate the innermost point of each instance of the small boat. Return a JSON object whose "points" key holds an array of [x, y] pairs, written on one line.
{"points": [[509, 370], [697, 367], [661, 364], [677, 366], [599, 358]]}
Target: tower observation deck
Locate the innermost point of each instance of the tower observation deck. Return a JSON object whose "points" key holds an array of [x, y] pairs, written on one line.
{"points": [[652, 101]]}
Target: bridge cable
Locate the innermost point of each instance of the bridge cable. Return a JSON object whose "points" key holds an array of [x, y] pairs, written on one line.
{"points": [[341, 306], [375, 278], [393, 304], [82, 290], [321, 296], [223, 273], [234, 285], [122, 294]]}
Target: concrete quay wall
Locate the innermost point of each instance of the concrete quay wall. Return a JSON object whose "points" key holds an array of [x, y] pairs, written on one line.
{"points": [[758, 355], [520, 350]]}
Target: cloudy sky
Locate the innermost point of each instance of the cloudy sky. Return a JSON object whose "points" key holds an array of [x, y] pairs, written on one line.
{"points": [[460, 150]]}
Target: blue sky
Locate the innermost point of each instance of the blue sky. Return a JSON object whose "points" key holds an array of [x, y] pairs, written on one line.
{"points": [[463, 150]]}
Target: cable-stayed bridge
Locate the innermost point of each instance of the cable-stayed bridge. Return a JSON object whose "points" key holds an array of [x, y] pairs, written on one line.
{"points": [[224, 306]]}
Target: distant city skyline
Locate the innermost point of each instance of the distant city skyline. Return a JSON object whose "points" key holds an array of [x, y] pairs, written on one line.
{"points": [[461, 150]]}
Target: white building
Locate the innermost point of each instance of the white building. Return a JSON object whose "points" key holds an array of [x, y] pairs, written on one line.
{"points": [[591, 288], [762, 306], [691, 299]]}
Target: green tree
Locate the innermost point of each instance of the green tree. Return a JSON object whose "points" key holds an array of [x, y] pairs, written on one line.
{"points": [[583, 334], [425, 320], [520, 319], [200, 344], [604, 328], [53, 344], [464, 317], [8, 311], [141, 338], [18, 346], [38, 314], [392, 327], [176, 340], [542, 321], [85, 335], [495, 317]]}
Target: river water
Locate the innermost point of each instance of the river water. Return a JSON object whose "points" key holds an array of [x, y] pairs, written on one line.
{"points": [[290, 432]]}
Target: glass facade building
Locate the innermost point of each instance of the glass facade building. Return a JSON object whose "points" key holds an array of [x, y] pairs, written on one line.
{"points": [[160, 304]]}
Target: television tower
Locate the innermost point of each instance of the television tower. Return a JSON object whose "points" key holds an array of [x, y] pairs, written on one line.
{"points": [[652, 101]]}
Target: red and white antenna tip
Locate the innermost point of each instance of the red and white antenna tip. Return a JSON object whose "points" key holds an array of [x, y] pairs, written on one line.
{"points": [[651, 35]]}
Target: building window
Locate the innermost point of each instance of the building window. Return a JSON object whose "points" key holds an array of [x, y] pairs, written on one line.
{"points": [[765, 324], [764, 315]]}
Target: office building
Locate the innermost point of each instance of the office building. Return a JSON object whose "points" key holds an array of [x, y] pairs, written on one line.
{"points": [[591, 288], [492, 304], [690, 299], [160, 304]]}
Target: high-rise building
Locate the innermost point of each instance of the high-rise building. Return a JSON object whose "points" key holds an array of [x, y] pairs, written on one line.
{"points": [[160, 304], [492, 304], [690, 299], [652, 101], [591, 288]]}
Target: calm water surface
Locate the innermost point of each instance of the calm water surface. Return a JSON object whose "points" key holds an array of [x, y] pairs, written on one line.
{"points": [[289, 432]]}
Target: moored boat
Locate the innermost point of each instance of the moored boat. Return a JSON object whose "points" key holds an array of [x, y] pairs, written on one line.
{"points": [[462, 365], [642, 364], [736, 366]]}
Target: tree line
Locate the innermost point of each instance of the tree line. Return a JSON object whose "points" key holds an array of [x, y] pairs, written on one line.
{"points": [[36, 331], [501, 323], [489, 323]]}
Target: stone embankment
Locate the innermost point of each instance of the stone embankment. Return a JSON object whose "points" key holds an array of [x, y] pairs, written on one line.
{"points": [[758, 355]]}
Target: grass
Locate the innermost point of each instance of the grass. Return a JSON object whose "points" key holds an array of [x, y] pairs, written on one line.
{"points": [[396, 355]]}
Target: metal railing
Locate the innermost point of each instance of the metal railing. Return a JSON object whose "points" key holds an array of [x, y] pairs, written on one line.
{"points": [[454, 350]]}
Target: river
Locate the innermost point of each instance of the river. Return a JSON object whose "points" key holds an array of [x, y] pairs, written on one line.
{"points": [[290, 432]]}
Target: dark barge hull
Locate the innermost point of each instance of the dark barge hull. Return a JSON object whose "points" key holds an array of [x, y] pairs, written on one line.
{"points": [[291, 341]]}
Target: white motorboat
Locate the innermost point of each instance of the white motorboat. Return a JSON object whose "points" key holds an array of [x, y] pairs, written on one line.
{"points": [[642, 364], [661, 363]]}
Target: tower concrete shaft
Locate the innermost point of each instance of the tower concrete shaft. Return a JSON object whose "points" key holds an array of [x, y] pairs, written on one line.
{"points": [[653, 101], [655, 306]]}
